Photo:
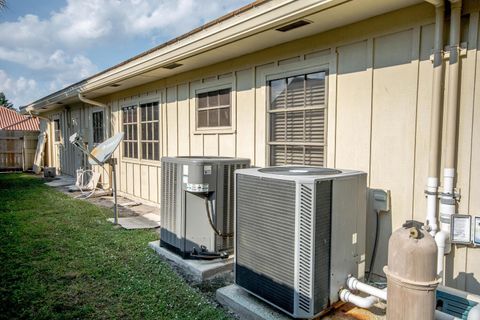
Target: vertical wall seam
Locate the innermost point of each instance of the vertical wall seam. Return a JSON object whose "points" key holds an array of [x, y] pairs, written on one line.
{"points": [[189, 111], [176, 116], [474, 22], [335, 105], [254, 85], [370, 63], [417, 36]]}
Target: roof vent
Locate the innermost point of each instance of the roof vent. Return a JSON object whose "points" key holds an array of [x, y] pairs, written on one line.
{"points": [[293, 25], [172, 66]]}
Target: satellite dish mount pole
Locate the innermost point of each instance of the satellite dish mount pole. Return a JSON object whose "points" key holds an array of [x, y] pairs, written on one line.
{"points": [[113, 162]]}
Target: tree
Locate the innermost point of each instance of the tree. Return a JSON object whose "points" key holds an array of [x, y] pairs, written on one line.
{"points": [[3, 4], [4, 101]]}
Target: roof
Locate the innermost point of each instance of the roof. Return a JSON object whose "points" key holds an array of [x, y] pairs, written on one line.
{"points": [[207, 25], [249, 29], [12, 120]]}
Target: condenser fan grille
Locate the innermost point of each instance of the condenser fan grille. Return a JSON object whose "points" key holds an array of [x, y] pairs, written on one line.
{"points": [[300, 171]]}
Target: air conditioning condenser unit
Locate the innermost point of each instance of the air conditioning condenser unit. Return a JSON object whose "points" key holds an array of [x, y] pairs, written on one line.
{"points": [[299, 232]]}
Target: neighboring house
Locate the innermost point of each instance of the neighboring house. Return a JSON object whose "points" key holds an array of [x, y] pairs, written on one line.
{"points": [[18, 140], [345, 84]]}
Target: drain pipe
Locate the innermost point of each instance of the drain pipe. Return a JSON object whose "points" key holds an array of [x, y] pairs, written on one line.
{"points": [[435, 120], [448, 198]]}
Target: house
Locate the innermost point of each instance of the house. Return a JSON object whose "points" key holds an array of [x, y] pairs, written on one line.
{"points": [[335, 83], [18, 140]]}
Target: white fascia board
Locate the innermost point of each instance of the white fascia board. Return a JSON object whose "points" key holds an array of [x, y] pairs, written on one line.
{"points": [[235, 28], [253, 21]]}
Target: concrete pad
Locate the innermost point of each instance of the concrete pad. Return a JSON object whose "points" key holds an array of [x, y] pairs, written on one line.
{"points": [[200, 270], [137, 222], [61, 181], [247, 306]]}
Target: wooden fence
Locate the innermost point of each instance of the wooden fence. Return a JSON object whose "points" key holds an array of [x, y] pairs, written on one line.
{"points": [[17, 149]]}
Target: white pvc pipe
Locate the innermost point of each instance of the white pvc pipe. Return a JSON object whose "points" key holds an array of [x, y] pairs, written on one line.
{"points": [[354, 284], [432, 190], [460, 293], [435, 119], [448, 200], [439, 315], [362, 302], [441, 239], [474, 313]]}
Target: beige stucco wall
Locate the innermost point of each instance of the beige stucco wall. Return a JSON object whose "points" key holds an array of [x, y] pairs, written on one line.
{"points": [[379, 96]]}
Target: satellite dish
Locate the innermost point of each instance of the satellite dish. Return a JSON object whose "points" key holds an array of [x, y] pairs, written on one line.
{"points": [[100, 155], [103, 152]]}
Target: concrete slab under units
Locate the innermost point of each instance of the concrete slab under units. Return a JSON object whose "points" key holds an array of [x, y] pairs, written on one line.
{"points": [[200, 270], [246, 306]]}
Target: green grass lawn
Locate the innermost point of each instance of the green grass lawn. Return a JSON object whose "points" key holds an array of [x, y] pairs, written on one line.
{"points": [[61, 259]]}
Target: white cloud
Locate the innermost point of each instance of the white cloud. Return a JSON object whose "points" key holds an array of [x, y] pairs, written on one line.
{"points": [[60, 49], [20, 90]]}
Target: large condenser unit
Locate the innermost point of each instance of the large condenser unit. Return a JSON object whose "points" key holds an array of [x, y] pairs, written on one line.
{"points": [[299, 232], [197, 205]]}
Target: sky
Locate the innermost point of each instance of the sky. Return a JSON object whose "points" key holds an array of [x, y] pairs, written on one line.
{"points": [[48, 45]]}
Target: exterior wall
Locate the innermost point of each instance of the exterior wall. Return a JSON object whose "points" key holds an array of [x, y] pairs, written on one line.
{"points": [[379, 96]]}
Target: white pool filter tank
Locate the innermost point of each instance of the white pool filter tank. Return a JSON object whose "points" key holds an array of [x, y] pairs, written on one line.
{"points": [[411, 273]]}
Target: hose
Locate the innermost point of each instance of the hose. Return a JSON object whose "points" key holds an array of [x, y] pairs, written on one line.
{"points": [[209, 216], [374, 252]]}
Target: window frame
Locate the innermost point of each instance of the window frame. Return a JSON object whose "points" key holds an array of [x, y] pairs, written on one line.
{"points": [[56, 120], [95, 143], [283, 75], [149, 141], [136, 104], [214, 85]]}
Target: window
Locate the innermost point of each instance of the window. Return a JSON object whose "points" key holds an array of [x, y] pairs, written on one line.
{"points": [[150, 131], [57, 131], [130, 128], [97, 119], [214, 109], [297, 120]]}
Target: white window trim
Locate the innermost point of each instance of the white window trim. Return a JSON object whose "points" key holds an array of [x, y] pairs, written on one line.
{"points": [[299, 68], [137, 102], [105, 137], [213, 86]]}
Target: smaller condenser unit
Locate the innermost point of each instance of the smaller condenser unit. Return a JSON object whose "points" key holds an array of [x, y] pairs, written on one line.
{"points": [[197, 205], [299, 232]]}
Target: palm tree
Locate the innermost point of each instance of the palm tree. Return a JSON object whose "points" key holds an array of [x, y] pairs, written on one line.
{"points": [[3, 4]]}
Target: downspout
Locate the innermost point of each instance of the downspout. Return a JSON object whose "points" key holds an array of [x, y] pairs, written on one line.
{"points": [[92, 102], [448, 198], [435, 120], [98, 104]]}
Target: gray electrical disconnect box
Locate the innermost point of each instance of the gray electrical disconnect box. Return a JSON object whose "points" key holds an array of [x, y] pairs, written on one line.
{"points": [[197, 204]]}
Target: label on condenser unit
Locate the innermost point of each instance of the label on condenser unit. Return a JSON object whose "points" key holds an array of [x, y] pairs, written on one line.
{"points": [[207, 170], [185, 173], [197, 187]]}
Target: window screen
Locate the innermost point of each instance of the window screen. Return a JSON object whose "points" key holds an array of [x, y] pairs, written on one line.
{"points": [[150, 131], [214, 109], [97, 126], [130, 129], [297, 111], [57, 131]]}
